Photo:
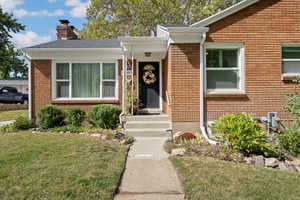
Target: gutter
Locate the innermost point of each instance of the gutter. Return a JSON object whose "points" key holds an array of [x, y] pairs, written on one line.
{"points": [[203, 128]]}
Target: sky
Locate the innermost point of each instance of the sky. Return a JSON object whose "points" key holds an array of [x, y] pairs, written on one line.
{"points": [[41, 18]]}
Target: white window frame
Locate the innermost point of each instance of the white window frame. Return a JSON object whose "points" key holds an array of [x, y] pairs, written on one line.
{"points": [[54, 80], [287, 59], [241, 66]]}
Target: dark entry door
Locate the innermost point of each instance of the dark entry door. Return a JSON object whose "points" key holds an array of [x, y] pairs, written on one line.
{"points": [[149, 84]]}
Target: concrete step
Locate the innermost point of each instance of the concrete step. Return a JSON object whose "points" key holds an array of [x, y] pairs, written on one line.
{"points": [[148, 124], [147, 132], [147, 118]]}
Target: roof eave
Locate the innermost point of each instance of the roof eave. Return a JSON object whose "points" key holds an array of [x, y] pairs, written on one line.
{"points": [[68, 49], [228, 11]]}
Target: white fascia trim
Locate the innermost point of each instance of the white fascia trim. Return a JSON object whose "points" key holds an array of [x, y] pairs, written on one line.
{"points": [[72, 49], [187, 30], [228, 11], [141, 39]]}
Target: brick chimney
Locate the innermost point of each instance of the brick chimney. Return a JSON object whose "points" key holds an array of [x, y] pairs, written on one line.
{"points": [[65, 32]]}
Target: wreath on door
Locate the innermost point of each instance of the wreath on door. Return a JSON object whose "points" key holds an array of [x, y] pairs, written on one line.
{"points": [[149, 77]]}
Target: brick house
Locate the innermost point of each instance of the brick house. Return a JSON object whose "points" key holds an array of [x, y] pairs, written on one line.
{"points": [[240, 60]]}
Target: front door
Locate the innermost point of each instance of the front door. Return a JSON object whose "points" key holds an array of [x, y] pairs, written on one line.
{"points": [[149, 85]]}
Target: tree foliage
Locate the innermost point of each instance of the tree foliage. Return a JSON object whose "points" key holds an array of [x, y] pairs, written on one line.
{"points": [[10, 62], [113, 18]]}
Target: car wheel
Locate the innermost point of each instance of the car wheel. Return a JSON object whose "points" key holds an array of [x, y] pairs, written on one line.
{"points": [[25, 101]]}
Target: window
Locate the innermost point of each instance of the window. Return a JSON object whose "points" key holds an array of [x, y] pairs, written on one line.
{"points": [[224, 68], [85, 80], [291, 60]]}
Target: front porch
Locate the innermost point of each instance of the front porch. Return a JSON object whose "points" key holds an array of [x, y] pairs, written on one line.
{"points": [[144, 75]]}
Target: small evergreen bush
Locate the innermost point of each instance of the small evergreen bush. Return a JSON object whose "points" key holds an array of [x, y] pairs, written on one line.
{"points": [[241, 133], [74, 116], [104, 116], [50, 116]]}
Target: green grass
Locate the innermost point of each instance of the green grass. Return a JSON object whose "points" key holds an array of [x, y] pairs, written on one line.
{"points": [[206, 178], [12, 114], [57, 167]]}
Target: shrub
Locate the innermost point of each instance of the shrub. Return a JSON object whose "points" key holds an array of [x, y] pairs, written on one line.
{"points": [[104, 116], [242, 133], [22, 123], [289, 139], [50, 116], [74, 116]]}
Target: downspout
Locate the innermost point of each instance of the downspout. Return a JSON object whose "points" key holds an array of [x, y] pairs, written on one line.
{"points": [[202, 98], [123, 90], [29, 88]]}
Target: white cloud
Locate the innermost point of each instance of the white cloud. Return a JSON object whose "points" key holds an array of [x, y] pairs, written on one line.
{"points": [[78, 7], [28, 39], [39, 13], [52, 1], [9, 5]]}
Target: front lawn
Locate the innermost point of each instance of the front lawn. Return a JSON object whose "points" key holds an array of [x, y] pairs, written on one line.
{"points": [[56, 167], [207, 178], [12, 114]]}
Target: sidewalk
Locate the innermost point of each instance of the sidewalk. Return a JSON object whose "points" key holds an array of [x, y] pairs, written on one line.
{"points": [[149, 175]]}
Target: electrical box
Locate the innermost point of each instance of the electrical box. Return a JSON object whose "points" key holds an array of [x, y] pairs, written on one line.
{"points": [[273, 120]]}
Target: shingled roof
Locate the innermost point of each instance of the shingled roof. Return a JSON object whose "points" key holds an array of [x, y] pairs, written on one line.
{"points": [[80, 43]]}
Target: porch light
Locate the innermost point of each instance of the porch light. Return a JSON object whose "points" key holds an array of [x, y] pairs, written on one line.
{"points": [[148, 54]]}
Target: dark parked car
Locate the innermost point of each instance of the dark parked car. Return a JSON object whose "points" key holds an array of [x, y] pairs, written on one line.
{"points": [[11, 95]]}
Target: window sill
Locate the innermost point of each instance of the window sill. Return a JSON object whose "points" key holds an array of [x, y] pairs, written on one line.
{"points": [[289, 77], [83, 101], [226, 95]]}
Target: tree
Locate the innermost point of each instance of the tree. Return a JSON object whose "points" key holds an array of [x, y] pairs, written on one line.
{"points": [[11, 65], [113, 18]]}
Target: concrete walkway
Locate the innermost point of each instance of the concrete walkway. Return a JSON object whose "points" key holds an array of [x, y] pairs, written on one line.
{"points": [[149, 175]]}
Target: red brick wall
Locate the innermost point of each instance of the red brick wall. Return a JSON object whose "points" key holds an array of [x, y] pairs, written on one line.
{"points": [[41, 88], [183, 81], [262, 27]]}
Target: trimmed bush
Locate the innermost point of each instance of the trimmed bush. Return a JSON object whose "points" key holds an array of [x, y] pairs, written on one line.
{"points": [[289, 139], [104, 116], [50, 116], [74, 116], [22, 123], [241, 133]]}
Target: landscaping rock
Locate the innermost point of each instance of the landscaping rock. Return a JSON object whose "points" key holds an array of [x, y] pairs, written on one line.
{"points": [[283, 166], [177, 134], [81, 133], [61, 132], [271, 162], [103, 137], [249, 160], [295, 162], [178, 152], [96, 135], [259, 161]]}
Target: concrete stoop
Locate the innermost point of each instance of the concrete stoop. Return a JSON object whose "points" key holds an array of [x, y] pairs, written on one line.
{"points": [[147, 126]]}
